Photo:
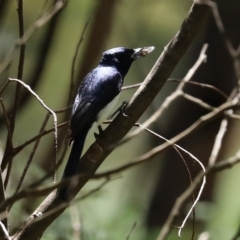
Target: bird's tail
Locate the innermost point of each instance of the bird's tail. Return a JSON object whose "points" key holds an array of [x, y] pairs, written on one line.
{"points": [[72, 163]]}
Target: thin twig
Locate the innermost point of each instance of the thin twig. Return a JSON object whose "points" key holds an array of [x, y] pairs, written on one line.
{"points": [[2, 199], [204, 178], [32, 154], [188, 171], [172, 97], [75, 58], [232, 51], [7, 121], [131, 86], [4, 86], [202, 59], [21, 32], [9, 145], [233, 116], [35, 138], [153, 152], [76, 223], [5, 231], [197, 101], [218, 142], [18, 87], [83, 197], [131, 231], [43, 190], [223, 165], [187, 193], [86, 195], [49, 110], [220, 25], [49, 174], [203, 85], [63, 110], [7, 175], [234, 97], [31, 30], [20, 65]]}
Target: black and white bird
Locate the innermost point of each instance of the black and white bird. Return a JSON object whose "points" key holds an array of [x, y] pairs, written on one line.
{"points": [[96, 97]]}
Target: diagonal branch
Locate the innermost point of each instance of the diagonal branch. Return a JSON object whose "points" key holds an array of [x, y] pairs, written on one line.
{"points": [[173, 96], [4, 161], [31, 30], [18, 86]]}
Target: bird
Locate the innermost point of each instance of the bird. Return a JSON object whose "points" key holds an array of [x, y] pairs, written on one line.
{"points": [[96, 97]]}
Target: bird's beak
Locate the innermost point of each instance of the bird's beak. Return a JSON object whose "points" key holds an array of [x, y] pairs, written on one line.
{"points": [[142, 52]]}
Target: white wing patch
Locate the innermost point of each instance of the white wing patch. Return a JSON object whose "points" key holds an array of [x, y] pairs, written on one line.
{"points": [[103, 115]]}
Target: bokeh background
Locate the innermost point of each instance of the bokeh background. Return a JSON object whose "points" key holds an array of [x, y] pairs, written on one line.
{"points": [[145, 194]]}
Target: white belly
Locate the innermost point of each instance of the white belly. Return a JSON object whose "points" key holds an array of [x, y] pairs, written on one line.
{"points": [[103, 115]]}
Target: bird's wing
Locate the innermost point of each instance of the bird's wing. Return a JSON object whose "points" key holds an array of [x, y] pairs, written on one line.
{"points": [[98, 89]]}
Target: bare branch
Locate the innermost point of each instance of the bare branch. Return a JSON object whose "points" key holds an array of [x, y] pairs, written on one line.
{"points": [[59, 162], [32, 154], [7, 122], [43, 133], [21, 32], [32, 29], [202, 59], [44, 190], [153, 152], [19, 75], [203, 85], [9, 144], [218, 142], [76, 224], [5, 231], [172, 97], [203, 183], [131, 231], [47, 108], [131, 86], [188, 192], [197, 101], [74, 60], [232, 51], [232, 115], [219, 23], [4, 86]]}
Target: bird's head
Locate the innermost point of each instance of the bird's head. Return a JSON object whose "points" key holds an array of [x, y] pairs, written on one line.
{"points": [[122, 58]]}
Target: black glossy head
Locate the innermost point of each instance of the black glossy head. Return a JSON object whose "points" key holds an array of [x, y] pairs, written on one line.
{"points": [[122, 58]]}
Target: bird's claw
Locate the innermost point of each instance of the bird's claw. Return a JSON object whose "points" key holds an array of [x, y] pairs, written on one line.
{"points": [[100, 130], [120, 109]]}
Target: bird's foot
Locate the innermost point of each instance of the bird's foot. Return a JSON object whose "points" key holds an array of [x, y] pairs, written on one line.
{"points": [[120, 109], [96, 135]]}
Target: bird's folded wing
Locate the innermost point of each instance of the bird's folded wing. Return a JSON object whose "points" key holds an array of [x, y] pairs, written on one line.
{"points": [[87, 107]]}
